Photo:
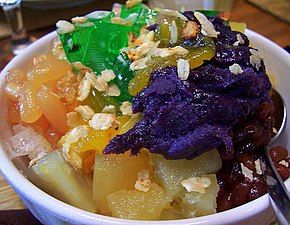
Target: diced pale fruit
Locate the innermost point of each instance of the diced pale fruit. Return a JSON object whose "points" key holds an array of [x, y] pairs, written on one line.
{"points": [[135, 204], [194, 204], [170, 214], [53, 109], [56, 177], [29, 106], [169, 173], [114, 173]]}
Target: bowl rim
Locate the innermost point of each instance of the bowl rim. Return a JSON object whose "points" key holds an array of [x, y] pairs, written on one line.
{"points": [[66, 212]]}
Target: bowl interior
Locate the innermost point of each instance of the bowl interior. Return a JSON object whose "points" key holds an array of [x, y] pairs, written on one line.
{"points": [[278, 65]]}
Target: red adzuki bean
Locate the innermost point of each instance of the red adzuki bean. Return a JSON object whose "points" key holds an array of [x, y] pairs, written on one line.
{"points": [[278, 153]]}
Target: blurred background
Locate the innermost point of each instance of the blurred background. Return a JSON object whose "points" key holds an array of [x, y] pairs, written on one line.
{"points": [[270, 18]]}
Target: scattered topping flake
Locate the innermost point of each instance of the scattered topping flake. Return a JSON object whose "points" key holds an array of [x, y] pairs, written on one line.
{"points": [[113, 90], [131, 3], [126, 108], [97, 82], [76, 133], [164, 52], [107, 75], [57, 50], [197, 184], [140, 51], [144, 181], [111, 109], [207, 27], [274, 130], [84, 89], [225, 15], [102, 121], [183, 69], [64, 27], [86, 111], [235, 69], [79, 19], [80, 66], [168, 12], [72, 118], [121, 21], [191, 30], [173, 32], [149, 37], [247, 172], [255, 59], [26, 141], [258, 167], [284, 163], [239, 41]]}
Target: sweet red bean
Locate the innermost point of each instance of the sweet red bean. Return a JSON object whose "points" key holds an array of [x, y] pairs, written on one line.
{"points": [[224, 201], [282, 170], [256, 191], [240, 192], [278, 153], [247, 160], [265, 110]]}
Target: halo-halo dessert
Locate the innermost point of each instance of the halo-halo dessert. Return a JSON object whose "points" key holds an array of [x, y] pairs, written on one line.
{"points": [[145, 114]]}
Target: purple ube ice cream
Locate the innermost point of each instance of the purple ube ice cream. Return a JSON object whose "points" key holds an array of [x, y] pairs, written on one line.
{"points": [[183, 119]]}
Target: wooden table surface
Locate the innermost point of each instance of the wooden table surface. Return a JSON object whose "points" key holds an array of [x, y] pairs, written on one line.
{"points": [[256, 19]]}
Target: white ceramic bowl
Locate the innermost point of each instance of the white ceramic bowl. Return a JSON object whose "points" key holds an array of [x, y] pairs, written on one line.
{"points": [[54, 212]]}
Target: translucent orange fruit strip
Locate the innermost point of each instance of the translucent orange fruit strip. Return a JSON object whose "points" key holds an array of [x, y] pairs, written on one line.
{"points": [[53, 109], [29, 107]]}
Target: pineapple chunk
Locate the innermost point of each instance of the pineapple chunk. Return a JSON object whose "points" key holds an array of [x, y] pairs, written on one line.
{"points": [[171, 214], [194, 204], [56, 177], [115, 173], [137, 204], [169, 173]]}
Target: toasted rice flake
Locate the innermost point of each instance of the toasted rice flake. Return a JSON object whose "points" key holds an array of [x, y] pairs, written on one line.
{"points": [[168, 12], [111, 109], [85, 111], [207, 28], [247, 172], [197, 184], [72, 118], [131, 3], [284, 163], [255, 59], [143, 182], [79, 19], [236, 69], [126, 108], [113, 90], [239, 41], [102, 121], [107, 75], [173, 32], [183, 69], [165, 52], [84, 89], [258, 167], [64, 27]]}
